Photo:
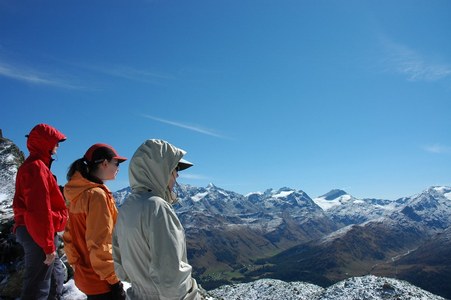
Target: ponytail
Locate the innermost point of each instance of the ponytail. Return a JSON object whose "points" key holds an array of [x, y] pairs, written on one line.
{"points": [[85, 169]]}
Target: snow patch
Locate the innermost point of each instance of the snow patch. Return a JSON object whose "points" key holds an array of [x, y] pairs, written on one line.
{"points": [[440, 189], [345, 198], [70, 291], [199, 196], [267, 289], [3, 197], [336, 234], [325, 204], [223, 193], [283, 194], [372, 287], [9, 158], [273, 224], [254, 193], [448, 196], [367, 287]]}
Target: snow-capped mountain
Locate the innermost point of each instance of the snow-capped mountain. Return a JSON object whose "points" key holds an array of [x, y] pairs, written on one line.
{"points": [[213, 201], [345, 209], [333, 198], [10, 160], [431, 208], [356, 233], [260, 211], [121, 195], [376, 246]]}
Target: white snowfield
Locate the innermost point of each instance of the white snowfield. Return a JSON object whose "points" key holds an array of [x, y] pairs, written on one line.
{"points": [[356, 288]]}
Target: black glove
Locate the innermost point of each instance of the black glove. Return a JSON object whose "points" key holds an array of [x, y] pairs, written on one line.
{"points": [[117, 291]]}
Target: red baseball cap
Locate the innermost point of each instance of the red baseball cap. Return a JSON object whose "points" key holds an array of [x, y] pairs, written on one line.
{"points": [[99, 152]]}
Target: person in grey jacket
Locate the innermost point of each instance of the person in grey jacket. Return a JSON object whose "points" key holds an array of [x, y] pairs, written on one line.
{"points": [[149, 246]]}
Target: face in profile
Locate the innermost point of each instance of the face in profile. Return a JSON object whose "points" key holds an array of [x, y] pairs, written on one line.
{"points": [[109, 169], [173, 179], [55, 149]]}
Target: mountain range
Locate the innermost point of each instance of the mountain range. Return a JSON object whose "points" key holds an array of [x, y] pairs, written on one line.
{"points": [[284, 234]]}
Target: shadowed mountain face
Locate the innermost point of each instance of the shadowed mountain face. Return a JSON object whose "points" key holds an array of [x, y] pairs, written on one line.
{"points": [[428, 266], [230, 231], [351, 251]]}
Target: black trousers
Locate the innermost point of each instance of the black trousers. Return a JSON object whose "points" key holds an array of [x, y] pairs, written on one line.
{"points": [[40, 282], [106, 296]]}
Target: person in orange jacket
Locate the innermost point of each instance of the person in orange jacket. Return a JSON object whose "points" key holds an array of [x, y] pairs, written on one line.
{"points": [[39, 213], [92, 216]]}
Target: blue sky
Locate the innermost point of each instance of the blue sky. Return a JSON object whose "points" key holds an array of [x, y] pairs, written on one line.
{"points": [[313, 95]]}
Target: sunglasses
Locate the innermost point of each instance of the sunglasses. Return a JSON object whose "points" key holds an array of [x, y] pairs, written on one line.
{"points": [[103, 159]]}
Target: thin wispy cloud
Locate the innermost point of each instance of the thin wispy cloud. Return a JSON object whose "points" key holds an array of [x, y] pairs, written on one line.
{"points": [[32, 76], [127, 72], [186, 126], [413, 65], [437, 149]]}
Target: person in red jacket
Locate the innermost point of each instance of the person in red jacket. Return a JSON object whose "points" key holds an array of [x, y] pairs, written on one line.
{"points": [[39, 213]]}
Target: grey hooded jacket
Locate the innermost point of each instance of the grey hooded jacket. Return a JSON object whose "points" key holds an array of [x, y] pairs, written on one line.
{"points": [[149, 247]]}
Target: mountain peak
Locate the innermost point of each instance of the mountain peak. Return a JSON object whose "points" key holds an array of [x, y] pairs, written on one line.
{"points": [[439, 189], [333, 194], [211, 186], [333, 198], [286, 189]]}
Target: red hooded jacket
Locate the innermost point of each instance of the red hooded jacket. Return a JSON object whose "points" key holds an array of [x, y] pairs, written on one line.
{"points": [[38, 203]]}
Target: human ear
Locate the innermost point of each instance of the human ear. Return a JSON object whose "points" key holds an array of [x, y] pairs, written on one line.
{"points": [[105, 163]]}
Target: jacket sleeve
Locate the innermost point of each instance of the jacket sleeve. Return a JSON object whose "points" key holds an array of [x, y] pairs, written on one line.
{"points": [[38, 217], [59, 209], [120, 271], [99, 230], [71, 253], [168, 249]]}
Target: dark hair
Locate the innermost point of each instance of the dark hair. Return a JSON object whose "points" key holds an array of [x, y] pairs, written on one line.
{"points": [[85, 168]]}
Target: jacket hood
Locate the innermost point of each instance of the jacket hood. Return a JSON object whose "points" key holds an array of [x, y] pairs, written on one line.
{"points": [[151, 166], [77, 185], [42, 139]]}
